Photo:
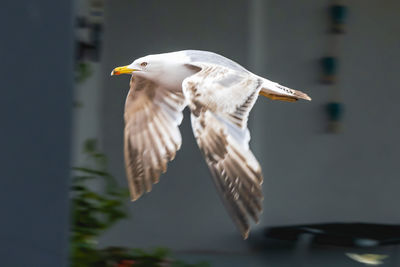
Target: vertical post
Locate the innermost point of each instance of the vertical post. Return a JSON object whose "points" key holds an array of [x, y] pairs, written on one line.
{"points": [[257, 55], [257, 44], [36, 72]]}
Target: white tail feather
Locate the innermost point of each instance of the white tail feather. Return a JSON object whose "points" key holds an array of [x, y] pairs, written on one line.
{"points": [[276, 91]]}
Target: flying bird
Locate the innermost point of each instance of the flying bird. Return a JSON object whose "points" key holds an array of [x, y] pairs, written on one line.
{"points": [[220, 94]]}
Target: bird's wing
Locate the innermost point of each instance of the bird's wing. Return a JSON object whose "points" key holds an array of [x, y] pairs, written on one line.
{"points": [[151, 136], [220, 100]]}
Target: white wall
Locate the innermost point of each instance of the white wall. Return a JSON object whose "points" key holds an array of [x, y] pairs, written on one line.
{"points": [[310, 176]]}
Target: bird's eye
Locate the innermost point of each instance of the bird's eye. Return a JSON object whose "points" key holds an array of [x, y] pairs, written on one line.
{"points": [[143, 64]]}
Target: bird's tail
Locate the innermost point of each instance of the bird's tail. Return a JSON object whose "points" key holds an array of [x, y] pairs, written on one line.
{"points": [[276, 91]]}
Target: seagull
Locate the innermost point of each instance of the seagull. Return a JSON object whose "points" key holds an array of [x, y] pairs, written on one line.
{"points": [[220, 94]]}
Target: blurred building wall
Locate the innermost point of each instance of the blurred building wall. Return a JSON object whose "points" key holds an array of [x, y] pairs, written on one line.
{"points": [[88, 90], [35, 113], [310, 175]]}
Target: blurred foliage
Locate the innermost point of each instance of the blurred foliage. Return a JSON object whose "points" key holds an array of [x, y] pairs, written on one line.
{"points": [[97, 203], [123, 257], [93, 211], [83, 71]]}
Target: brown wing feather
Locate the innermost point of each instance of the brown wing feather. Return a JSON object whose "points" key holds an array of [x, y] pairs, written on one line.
{"points": [[151, 136], [236, 173], [220, 100]]}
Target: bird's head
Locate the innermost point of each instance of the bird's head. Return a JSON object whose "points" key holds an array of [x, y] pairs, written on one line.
{"points": [[149, 67], [168, 69]]}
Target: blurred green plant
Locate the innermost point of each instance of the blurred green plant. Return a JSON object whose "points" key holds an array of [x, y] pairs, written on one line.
{"points": [[97, 203], [83, 71], [123, 257]]}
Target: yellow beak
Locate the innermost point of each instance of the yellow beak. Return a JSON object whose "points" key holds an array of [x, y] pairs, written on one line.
{"points": [[122, 70]]}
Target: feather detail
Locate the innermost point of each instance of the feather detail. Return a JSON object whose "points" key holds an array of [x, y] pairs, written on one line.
{"points": [[220, 100], [152, 137], [238, 182]]}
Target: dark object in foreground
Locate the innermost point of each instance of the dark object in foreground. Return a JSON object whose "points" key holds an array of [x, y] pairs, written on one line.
{"points": [[340, 234]]}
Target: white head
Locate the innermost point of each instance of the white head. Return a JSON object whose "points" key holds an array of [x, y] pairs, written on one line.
{"points": [[148, 65], [168, 69]]}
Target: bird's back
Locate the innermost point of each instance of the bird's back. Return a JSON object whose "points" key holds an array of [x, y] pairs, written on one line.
{"points": [[213, 58]]}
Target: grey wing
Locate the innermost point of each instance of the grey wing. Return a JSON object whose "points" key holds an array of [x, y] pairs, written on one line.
{"points": [[198, 56], [220, 128], [151, 135]]}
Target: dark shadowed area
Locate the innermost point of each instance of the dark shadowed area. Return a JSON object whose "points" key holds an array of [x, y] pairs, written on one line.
{"points": [[36, 106]]}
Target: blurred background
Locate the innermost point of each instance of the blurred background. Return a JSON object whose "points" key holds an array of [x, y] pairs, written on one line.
{"points": [[332, 160]]}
